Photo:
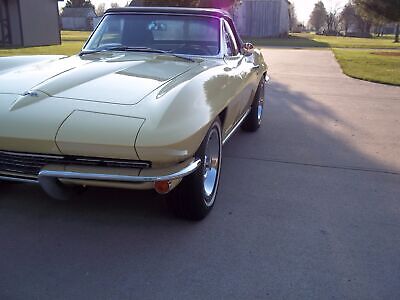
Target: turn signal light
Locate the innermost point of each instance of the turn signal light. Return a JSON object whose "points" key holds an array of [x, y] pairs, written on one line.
{"points": [[162, 187]]}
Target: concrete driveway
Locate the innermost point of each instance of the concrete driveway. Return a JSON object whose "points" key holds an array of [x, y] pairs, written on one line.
{"points": [[309, 208]]}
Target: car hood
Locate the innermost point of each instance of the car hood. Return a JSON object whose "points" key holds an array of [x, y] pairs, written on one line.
{"points": [[119, 78]]}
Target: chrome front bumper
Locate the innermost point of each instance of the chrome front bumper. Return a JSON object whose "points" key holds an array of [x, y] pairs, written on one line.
{"points": [[52, 177], [115, 175]]}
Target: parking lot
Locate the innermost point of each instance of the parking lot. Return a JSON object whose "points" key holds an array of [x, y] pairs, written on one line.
{"points": [[308, 207]]}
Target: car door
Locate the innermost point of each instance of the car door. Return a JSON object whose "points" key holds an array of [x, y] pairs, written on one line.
{"points": [[240, 70]]}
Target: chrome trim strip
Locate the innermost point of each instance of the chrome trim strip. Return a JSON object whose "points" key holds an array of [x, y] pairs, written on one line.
{"points": [[16, 179], [22, 159], [116, 162], [236, 127], [119, 178], [31, 155]]}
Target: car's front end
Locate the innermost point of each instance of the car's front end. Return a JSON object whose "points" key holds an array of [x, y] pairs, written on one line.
{"points": [[147, 104], [77, 128]]}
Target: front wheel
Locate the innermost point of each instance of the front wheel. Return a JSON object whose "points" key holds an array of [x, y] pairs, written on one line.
{"points": [[254, 118], [195, 196]]}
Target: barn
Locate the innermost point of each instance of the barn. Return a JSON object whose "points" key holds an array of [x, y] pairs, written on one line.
{"points": [[73, 18], [25, 23], [262, 18], [253, 18]]}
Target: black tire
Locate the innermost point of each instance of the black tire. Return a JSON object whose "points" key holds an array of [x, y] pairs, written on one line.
{"points": [[191, 199], [254, 118]]}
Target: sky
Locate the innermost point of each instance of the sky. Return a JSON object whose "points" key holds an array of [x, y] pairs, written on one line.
{"points": [[303, 7]]}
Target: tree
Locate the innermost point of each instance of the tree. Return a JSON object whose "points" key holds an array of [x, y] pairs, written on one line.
{"points": [[114, 5], [219, 3], [193, 3], [348, 17], [318, 16], [351, 16], [387, 9], [79, 3], [101, 9], [332, 23], [292, 17], [187, 3]]}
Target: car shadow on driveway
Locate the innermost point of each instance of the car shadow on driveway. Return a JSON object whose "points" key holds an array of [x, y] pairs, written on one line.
{"points": [[118, 204], [300, 129]]}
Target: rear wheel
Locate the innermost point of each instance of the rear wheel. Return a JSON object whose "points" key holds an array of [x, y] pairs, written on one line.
{"points": [[254, 118], [195, 196]]}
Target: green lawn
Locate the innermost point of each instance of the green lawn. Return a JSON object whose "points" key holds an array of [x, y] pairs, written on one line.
{"points": [[361, 63], [75, 36], [72, 42], [293, 41], [348, 42], [309, 40], [357, 56], [382, 66]]}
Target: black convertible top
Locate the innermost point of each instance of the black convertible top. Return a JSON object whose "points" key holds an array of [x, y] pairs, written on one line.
{"points": [[173, 10]]}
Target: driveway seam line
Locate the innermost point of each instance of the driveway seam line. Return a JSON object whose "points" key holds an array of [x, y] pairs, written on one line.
{"points": [[359, 98], [317, 165]]}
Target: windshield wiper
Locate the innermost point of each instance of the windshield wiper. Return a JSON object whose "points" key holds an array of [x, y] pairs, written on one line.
{"points": [[153, 50], [117, 48], [137, 49], [85, 52]]}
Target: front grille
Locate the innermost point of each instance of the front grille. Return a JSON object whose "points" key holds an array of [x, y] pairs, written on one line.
{"points": [[29, 165]]}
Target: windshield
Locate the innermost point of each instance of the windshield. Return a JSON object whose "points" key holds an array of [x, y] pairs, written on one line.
{"points": [[178, 34]]}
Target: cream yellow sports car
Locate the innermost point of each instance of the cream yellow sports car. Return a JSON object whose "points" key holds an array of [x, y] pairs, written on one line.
{"points": [[147, 104]]}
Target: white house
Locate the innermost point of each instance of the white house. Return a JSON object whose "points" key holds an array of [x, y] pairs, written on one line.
{"points": [[78, 18]]}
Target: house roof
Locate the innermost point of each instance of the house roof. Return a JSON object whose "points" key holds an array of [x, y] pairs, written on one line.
{"points": [[73, 12]]}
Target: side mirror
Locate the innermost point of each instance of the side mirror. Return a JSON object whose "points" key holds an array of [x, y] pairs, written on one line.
{"points": [[248, 49]]}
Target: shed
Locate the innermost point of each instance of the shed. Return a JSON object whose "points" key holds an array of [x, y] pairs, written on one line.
{"points": [[29, 23], [262, 18], [78, 18]]}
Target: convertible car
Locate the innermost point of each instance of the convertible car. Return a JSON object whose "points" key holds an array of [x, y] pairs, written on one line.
{"points": [[147, 104]]}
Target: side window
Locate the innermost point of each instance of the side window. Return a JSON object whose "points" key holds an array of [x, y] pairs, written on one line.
{"points": [[228, 42], [231, 46]]}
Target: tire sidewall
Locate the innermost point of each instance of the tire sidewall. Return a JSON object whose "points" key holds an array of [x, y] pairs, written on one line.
{"points": [[252, 123], [210, 200], [188, 200]]}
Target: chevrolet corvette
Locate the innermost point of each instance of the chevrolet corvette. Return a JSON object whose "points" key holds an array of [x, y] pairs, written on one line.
{"points": [[147, 104]]}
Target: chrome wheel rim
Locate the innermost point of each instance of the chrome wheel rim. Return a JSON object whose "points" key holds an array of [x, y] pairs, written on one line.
{"points": [[212, 159], [260, 104]]}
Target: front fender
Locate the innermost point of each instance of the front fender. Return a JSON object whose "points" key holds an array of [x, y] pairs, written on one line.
{"points": [[180, 114], [259, 60]]}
